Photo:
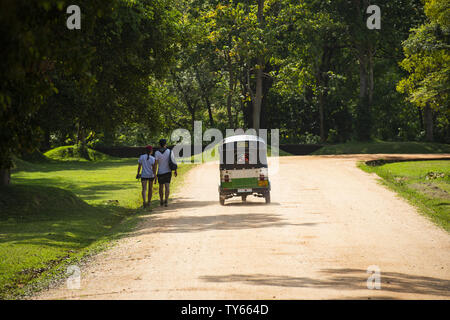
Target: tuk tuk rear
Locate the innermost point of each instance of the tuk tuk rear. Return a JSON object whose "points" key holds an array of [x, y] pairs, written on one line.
{"points": [[243, 168]]}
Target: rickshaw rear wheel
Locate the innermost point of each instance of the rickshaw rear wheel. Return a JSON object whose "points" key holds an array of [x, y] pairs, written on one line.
{"points": [[222, 200], [267, 196], [244, 198]]}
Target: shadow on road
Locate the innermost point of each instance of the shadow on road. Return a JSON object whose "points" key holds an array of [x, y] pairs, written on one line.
{"points": [[157, 223], [184, 203], [160, 221], [249, 203], [345, 279]]}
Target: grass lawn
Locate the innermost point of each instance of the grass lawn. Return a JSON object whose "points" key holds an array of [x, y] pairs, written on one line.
{"points": [[383, 147], [57, 212], [425, 184]]}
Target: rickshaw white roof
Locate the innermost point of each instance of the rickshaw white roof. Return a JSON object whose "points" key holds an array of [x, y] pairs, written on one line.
{"points": [[242, 137]]}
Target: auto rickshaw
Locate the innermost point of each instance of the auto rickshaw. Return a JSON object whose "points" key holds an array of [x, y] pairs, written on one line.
{"points": [[243, 168]]}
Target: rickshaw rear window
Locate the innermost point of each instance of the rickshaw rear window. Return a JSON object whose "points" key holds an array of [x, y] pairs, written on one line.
{"points": [[243, 154]]}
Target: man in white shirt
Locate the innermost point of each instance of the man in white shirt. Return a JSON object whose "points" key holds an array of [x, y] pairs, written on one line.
{"points": [[164, 175], [147, 163]]}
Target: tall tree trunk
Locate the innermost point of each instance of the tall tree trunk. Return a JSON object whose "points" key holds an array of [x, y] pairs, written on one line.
{"points": [[81, 135], [192, 119], [208, 106], [230, 92], [322, 100], [421, 120], [205, 93], [267, 84], [363, 76], [321, 116], [81, 142], [259, 75], [322, 81], [370, 54], [5, 177], [5, 165], [365, 53], [258, 96], [366, 81], [247, 106], [211, 120], [191, 105], [428, 117], [366, 87]]}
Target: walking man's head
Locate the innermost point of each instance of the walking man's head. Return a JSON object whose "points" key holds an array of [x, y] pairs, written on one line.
{"points": [[163, 143]]}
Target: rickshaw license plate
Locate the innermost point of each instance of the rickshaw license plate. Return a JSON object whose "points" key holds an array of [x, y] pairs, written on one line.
{"points": [[244, 190]]}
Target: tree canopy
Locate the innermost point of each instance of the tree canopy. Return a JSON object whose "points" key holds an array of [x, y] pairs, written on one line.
{"points": [[138, 69], [427, 61]]}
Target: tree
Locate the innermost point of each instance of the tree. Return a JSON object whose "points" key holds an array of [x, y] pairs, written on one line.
{"points": [[99, 75], [34, 42], [134, 46], [314, 39], [368, 45], [427, 60], [225, 24], [257, 96], [240, 37]]}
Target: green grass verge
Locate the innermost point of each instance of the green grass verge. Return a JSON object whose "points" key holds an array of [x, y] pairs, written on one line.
{"points": [[57, 213], [71, 153], [426, 184], [383, 147]]}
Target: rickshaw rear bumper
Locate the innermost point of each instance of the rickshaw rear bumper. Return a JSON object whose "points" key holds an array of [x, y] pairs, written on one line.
{"points": [[234, 192]]}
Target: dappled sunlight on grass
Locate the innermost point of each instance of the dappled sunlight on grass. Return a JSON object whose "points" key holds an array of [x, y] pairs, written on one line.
{"points": [[57, 211], [95, 182]]}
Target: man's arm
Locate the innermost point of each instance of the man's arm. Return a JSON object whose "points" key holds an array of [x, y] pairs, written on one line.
{"points": [[173, 160], [155, 166]]}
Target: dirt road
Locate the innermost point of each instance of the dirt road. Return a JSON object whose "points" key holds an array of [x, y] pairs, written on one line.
{"points": [[328, 222]]}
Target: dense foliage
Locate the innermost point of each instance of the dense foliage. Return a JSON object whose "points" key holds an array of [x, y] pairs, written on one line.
{"points": [[138, 69], [427, 61]]}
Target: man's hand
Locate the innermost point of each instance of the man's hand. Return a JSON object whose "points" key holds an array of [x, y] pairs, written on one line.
{"points": [[176, 173], [138, 176]]}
